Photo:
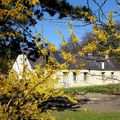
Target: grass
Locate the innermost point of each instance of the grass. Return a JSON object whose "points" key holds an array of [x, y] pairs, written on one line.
{"points": [[78, 115], [111, 88], [81, 115]]}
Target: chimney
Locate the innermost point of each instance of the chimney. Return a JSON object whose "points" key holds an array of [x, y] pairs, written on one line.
{"points": [[102, 65], [107, 58]]}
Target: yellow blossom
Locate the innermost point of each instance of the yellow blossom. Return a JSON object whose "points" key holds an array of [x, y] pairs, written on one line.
{"points": [[34, 2], [1, 36], [117, 35], [71, 31], [6, 2], [52, 48], [10, 34], [81, 53], [82, 64], [74, 39], [102, 36], [95, 28], [90, 47], [92, 19], [64, 43], [111, 13], [44, 51]]}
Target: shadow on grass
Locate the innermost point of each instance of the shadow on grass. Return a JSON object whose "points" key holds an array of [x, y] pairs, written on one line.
{"points": [[61, 103]]}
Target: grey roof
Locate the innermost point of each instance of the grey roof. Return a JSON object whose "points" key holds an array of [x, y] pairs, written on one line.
{"points": [[33, 59], [92, 62], [37, 61], [58, 57]]}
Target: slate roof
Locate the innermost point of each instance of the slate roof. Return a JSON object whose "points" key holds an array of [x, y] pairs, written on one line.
{"points": [[92, 62], [34, 58]]}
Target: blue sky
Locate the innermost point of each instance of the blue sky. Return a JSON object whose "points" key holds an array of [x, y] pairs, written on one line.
{"points": [[50, 26]]}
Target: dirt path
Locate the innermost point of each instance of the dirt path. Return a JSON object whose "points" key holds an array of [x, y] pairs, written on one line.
{"points": [[100, 102]]}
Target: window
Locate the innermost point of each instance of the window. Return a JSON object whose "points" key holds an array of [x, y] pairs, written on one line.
{"points": [[74, 76], [65, 79], [25, 59], [65, 73], [103, 75], [112, 75], [21, 59], [85, 76]]}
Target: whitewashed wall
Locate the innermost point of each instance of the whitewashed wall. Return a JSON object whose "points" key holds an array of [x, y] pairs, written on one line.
{"points": [[20, 62], [93, 77]]}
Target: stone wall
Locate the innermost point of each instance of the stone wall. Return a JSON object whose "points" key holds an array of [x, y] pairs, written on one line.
{"points": [[75, 78]]}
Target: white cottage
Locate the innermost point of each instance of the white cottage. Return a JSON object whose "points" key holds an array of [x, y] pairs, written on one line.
{"points": [[98, 71]]}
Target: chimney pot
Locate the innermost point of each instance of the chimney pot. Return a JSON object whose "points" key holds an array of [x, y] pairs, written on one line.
{"points": [[103, 65]]}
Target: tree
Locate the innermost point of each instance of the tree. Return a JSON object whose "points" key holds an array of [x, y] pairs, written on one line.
{"points": [[17, 17], [72, 45], [110, 45], [21, 15], [20, 99]]}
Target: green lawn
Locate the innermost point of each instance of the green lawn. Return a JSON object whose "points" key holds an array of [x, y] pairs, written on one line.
{"points": [[112, 88], [78, 115]]}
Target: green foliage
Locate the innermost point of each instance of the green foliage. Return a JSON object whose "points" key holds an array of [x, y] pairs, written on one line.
{"points": [[7, 58], [111, 89], [78, 115]]}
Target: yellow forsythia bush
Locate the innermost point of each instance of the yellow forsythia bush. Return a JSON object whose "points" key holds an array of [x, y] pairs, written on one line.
{"points": [[22, 98]]}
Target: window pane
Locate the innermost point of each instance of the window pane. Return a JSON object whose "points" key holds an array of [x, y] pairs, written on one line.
{"points": [[85, 76], [74, 76]]}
